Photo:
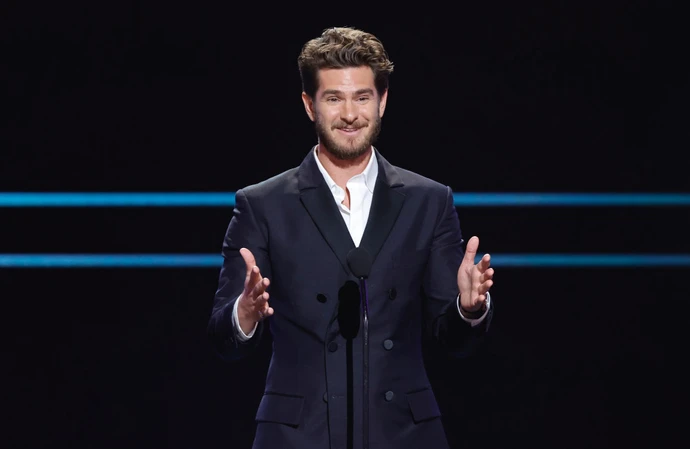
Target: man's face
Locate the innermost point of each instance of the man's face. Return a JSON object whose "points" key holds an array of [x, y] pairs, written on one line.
{"points": [[346, 110]]}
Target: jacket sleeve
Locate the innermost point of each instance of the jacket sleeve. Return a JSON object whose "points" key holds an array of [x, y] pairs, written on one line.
{"points": [[442, 315], [244, 231]]}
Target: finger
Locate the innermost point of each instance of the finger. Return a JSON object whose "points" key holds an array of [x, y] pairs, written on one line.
{"points": [[471, 250], [488, 274], [260, 289], [252, 279], [265, 312], [249, 259], [253, 272], [484, 287], [266, 309], [477, 300], [484, 264], [261, 303]]}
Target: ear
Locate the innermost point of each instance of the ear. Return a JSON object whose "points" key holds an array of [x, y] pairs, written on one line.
{"points": [[309, 106], [382, 103]]}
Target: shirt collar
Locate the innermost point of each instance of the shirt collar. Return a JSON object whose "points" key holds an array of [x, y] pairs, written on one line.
{"points": [[369, 173]]}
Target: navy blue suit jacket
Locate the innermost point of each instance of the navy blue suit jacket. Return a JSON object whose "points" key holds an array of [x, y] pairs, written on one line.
{"points": [[294, 229]]}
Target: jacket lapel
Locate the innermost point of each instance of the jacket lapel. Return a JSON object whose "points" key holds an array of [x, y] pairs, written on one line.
{"points": [[318, 201], [385, 207]]}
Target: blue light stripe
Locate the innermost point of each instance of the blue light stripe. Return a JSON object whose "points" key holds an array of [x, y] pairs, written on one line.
{"points": [[110, 260], [590, 260], [227, 199], [571, 199], [215, 261], [124, 199]]}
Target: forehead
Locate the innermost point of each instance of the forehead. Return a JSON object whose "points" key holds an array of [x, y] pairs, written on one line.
{"points": [[347, 79]]}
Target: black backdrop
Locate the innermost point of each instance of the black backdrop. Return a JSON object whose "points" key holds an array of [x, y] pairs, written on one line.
{"points": [[494, 98]]}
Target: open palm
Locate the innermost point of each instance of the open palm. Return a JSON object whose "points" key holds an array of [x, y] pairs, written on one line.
{"points": [[474, 280]]}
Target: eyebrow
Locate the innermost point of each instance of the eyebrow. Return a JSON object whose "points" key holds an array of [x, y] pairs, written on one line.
{"points": [[339, 92]]}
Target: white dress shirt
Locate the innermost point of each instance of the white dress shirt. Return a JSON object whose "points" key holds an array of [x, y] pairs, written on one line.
{"points": [[361, 188]]}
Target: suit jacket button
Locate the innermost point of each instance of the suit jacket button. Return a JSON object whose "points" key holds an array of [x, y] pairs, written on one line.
{"points": [[332, 346], [325, 397], [321, 298], [392, 293], [388, 344], [389, 396]]}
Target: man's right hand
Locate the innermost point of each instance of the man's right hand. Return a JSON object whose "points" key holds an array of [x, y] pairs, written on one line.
{"points": [[253, 303]]}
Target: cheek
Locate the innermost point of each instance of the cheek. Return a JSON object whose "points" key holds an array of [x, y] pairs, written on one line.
{"points": [[328, 117], [371, 112]]}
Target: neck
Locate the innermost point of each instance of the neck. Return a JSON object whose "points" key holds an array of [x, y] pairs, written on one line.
{"points": [[341, 171]]}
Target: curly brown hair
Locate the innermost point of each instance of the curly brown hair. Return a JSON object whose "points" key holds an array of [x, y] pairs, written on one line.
{"points": [[342, 47]]}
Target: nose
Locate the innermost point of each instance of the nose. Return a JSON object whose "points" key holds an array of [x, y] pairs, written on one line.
{"points": [[348, 113]]}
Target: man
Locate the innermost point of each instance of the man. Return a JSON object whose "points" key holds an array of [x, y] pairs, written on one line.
{"points": [[292, 234]]}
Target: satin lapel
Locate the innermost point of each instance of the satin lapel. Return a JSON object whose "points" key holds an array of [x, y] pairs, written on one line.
{"points": [[385, 208]]}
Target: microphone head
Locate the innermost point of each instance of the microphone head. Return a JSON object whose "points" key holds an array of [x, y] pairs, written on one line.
{"points": [[359, 262]]}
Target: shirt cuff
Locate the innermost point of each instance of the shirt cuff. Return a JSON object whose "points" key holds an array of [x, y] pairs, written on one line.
{"points": [[476, 321], [236, 321]]}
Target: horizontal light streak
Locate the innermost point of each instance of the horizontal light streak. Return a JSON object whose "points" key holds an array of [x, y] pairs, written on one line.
{"points": [[215, 261], [227, 199]]}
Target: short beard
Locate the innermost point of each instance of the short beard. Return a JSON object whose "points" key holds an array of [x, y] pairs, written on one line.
{"points": [[350, 152]]}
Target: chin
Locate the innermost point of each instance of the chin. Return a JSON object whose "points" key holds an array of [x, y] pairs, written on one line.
{"points": [[351, 153], [345, 149]]}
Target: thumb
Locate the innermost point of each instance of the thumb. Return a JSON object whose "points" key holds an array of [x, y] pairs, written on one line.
{"points": [[471, 250], [249, 260]]}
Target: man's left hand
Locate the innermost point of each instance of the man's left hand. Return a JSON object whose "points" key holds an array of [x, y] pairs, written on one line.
{"points": [[474, 281]]}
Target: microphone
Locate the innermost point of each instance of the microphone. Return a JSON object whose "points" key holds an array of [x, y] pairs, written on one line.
{"points": [[359, 261], [348, 310], [348, 322]]}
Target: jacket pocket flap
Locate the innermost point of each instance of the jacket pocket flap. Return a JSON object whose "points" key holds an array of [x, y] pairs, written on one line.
{"points": [[423, 405], [279, 408]]}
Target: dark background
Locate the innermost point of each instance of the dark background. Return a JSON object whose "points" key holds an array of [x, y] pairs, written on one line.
{"points": [[500, 97]]}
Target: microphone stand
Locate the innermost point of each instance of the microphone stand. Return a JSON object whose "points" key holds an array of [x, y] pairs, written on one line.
{"points": [[360, 264], [350, 398], [365, 384], [349, 298]]}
